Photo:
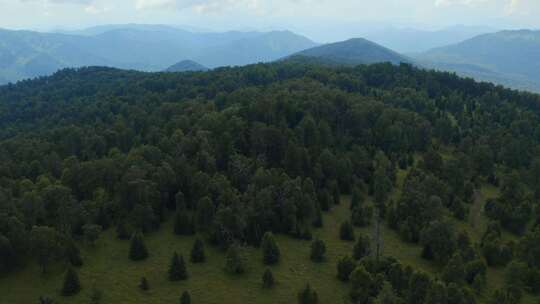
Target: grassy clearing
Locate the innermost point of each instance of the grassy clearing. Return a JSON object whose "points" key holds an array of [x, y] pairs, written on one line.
{"points": [[108, 268]]}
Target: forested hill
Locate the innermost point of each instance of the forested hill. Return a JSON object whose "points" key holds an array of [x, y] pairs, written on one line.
{"points": [[353, 52], [236, 153], [506, 57], [186, 66]]}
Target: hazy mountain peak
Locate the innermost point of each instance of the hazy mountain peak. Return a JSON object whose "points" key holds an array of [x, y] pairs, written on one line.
{"points": [[510, 57], [354, 51], [187, 66]]}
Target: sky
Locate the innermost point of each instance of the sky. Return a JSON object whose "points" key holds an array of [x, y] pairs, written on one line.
{"points": [[305, 16]]}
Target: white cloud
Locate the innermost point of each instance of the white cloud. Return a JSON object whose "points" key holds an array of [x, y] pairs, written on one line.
{"points": [[523, 7], [212, 6], [460, 2], [95, 9], [84, 2]]}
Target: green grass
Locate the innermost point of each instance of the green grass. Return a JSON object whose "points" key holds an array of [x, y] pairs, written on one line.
{"points": [[108, 268]]}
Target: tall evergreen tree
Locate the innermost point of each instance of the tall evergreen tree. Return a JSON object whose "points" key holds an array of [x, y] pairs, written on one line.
{"points": [[346, 231], [45, 300], [143, 284], [234, 261], [268, 278], [122, 231], [177, 269], [318, 250], [137, 249], [361, 248], [197, 252], [361, 285], [73, 254], [318, 220], [186, 298], [437, 293], [270, 249], [357, 199], [72, 285], [454, 271], [308, 296], [387, 295], [183, 223], [345, 266]]}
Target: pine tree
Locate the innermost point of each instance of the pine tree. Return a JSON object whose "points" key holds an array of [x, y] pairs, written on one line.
{"points": [[197, 252], [270, 249], [177, 269], [308, 296], [345, 267], [137, 250], [268, 279], [45, 300], [361, 248], [325, 199], [357, 199], [234, 262], [96, 295], [318, 220], [72, 285], [437, 293], [318, 250], [143, 285], [454, 271], [186, 298], [122, 232], [346, 231], [73, 254], [387, 295], [183, 223], [361, 283]]}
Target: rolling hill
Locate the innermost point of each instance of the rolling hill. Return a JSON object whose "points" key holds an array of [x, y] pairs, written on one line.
{"points": [[27, 54], [409, 40], [263, 48], [375, 164], [352, 52], [507, 57], [185, 66]]}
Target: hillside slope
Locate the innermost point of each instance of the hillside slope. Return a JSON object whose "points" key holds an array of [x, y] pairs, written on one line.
{"points": [[264, 48], [353, 52], [186, 66], [26, 54], [427, 182], [509, 57], [408, 40]]}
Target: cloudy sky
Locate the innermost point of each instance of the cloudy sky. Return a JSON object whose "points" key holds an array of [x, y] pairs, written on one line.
{"points": [[300, 15]]}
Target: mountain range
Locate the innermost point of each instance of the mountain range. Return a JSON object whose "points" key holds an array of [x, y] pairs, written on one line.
{"points": [[410, 40], [28, 54], [511, 58]]}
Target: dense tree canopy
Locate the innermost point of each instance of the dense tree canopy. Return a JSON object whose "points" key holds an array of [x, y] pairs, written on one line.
{"points": [[240, 154]]}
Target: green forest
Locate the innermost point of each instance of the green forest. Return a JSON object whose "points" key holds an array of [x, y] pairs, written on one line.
{"points": [[287, 182]]}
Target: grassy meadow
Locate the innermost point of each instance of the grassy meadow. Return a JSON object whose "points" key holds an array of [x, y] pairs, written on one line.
{"points": [[107, 268]]}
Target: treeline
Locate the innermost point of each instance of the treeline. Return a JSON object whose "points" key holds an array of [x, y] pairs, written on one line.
{"points": [[237, 152]]}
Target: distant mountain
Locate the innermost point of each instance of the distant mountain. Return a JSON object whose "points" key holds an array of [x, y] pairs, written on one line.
{"points": [[507, 57], [352, 52], [186, 66], [100, 29], [408, 40], [27, 54], [263, 48]]}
